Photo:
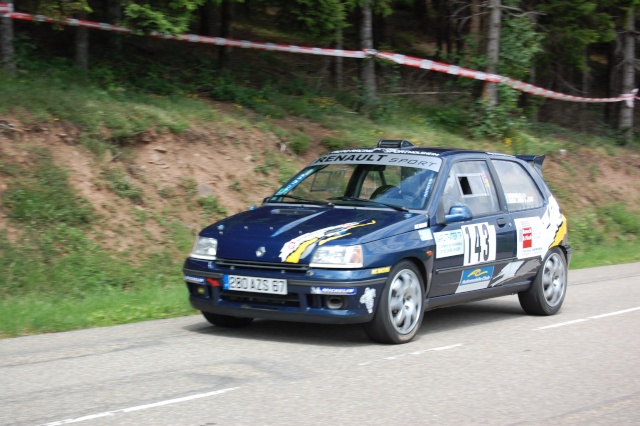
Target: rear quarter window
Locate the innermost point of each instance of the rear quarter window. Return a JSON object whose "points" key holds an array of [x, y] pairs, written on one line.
{"points": [[520, 190]]}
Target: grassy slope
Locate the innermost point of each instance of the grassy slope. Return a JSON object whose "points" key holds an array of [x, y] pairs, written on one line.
{"points": [[57, 271]]}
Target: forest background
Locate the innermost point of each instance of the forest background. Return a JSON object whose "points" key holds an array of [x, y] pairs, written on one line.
{"points": [[115, 149]]}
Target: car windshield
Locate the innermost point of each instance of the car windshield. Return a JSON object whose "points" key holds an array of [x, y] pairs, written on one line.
{"points": [[374, 185]]}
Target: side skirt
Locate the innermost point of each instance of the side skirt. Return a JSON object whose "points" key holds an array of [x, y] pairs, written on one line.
{"points": [[473, 296]]}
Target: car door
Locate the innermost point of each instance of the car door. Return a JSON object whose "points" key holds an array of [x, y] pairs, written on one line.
{"points": [[535, 220], [470, 252]]}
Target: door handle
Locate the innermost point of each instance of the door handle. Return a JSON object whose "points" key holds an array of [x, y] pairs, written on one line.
{"points": [[501, 221]]}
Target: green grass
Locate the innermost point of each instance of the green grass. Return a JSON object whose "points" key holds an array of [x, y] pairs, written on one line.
{"points": [[35, 313], [608, 253], [103, 115]]}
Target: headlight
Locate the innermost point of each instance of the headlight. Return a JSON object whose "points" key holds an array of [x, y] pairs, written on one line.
{"points": [[338, 257], [204, 248]]}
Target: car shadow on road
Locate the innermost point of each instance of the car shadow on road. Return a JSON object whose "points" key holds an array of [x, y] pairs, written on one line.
{"points": [[436, 321]]}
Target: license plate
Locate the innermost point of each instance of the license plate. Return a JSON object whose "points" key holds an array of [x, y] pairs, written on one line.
{"points": [[254, 284]]}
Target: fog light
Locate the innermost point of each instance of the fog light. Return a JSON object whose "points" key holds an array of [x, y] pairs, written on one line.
{"points": [[334, 302]]}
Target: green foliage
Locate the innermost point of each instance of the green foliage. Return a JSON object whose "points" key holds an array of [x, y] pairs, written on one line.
{"points": [[519, 45], [211, 205], [499, 121], [63, 8], [604, 235], [604, 224], [56, 280], [227, 89], [299, 142], [270, 161], [189, 186], [166, 17], [317, 19], [41, 195], [333, 143], [120, 183], [572, 26]]}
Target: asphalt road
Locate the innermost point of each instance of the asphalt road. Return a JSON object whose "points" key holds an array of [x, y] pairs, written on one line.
{"points": [[481, 363]]}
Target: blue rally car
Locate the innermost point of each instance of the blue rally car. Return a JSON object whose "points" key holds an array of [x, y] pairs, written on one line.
{"points": [[380, 235]]}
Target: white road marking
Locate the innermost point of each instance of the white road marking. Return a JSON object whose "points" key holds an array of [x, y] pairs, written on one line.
{"points": [[563, 323], [624, 311], [394, 357], [139, 407], [615, 313]]}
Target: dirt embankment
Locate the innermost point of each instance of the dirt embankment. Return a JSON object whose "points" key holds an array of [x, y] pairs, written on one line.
{"points": [[239, 165]]}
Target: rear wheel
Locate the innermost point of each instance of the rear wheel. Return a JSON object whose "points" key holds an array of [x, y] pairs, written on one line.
{"points": [[227, 320], [546, 294], [400, 308]]}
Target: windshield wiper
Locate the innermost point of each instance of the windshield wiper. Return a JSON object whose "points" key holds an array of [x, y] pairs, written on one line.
{"points": [[304, 200], [364, 200]]}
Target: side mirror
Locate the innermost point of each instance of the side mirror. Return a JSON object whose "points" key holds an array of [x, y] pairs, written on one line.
{"points": [[458, 213]]}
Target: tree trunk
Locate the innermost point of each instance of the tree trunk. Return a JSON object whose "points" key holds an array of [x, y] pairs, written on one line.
{"points": [[490, 93], [207, 13], [628, 77], [368, 73], [421, 13], [338, 60], [475, 26], [114, 16], [82, 46], [7, 55], [226, 17], [611, 108]]}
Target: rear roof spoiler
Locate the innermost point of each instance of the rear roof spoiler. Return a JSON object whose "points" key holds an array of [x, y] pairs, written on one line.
{"points": [[535, 160]]}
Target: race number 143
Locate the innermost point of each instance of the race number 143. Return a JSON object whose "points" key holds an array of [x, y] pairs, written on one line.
{"points": [[479, 243]]}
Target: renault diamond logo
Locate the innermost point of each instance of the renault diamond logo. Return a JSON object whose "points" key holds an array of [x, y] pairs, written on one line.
{"points": [[261, 251]]}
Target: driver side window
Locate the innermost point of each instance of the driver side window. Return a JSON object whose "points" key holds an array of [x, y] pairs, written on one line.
{"points": [[470, 183]]}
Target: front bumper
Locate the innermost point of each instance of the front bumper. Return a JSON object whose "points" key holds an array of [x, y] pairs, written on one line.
{"points": [[328, 297]]}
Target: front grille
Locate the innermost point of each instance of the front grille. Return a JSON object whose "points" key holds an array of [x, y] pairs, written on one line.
{"points": [[249, 264], [275, 300]]}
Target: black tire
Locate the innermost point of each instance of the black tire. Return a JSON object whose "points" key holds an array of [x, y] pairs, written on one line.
{"points": [[546, 294], [400, 307], [226, 320]]}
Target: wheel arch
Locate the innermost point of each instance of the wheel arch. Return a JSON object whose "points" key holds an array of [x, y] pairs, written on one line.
{"points": [[422, 269]]}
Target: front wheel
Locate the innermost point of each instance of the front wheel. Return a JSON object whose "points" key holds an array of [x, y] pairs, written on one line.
{"points": [[226, 320], [546, 294], [400, 308]]}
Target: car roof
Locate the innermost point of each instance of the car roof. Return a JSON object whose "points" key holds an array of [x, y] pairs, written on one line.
{"points": [[430, 151], [404, 146]]}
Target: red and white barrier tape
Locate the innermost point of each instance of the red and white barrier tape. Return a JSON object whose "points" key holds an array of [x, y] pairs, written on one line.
{"points": [[515, 84], [6, 10]]}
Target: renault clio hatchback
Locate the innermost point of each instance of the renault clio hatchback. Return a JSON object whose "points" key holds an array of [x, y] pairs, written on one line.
{"points": [[380, 235]]}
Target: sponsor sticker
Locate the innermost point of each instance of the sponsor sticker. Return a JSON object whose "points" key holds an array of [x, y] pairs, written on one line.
{"points": [[475, 279], [368, 299], [333, 290], [425, 234], [387, 158], [449, 243], [194, 279], [302, 245], [530, 241]]}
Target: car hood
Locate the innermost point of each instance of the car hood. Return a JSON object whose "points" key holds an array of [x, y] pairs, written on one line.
{"points": [[290, 234]]}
